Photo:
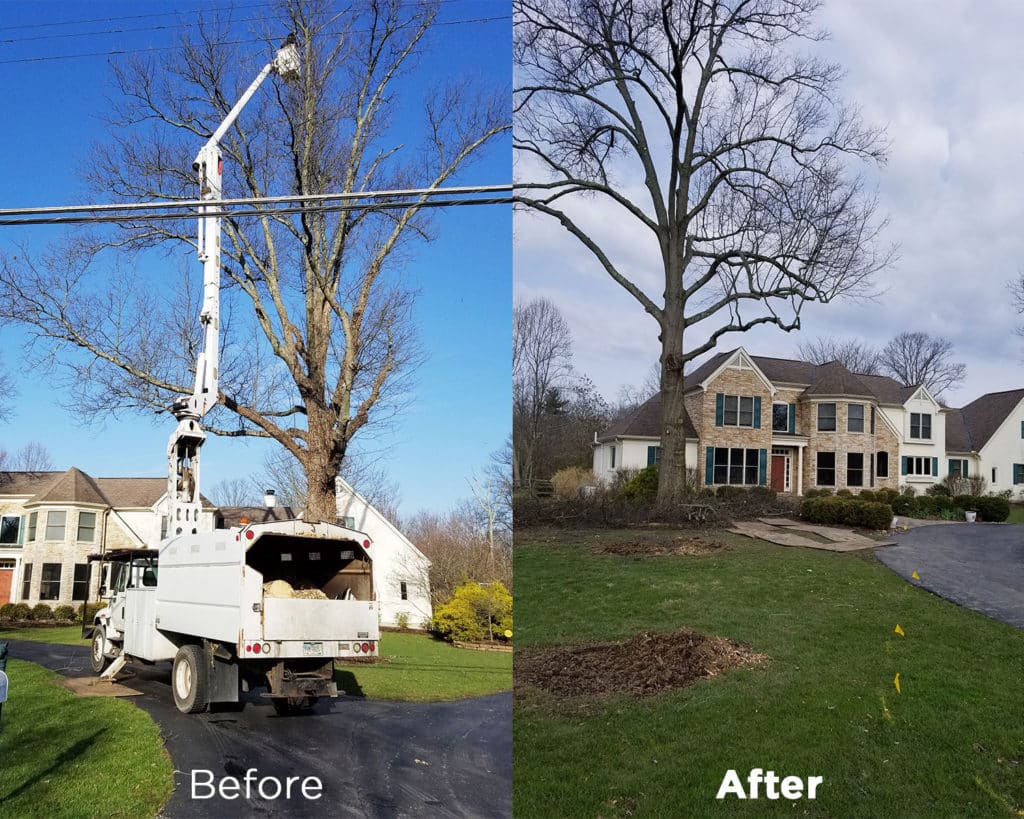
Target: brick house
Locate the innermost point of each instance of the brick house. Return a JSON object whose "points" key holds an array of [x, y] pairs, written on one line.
{"points": [[791, 425], [50, 522]]}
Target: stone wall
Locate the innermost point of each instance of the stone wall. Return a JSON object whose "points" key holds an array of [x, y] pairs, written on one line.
{"points": [[734, 381], [842, 442]]}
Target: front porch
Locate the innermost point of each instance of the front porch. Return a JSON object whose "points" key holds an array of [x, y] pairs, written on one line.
{"points": [[786, 469]]}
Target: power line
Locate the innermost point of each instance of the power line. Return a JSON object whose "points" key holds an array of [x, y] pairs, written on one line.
{"points": [[456, 190], [122, 52], [324, 208], [157, 211]]}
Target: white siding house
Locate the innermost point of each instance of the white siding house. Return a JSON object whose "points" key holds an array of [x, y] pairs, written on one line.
{"points": [[400, 570]]}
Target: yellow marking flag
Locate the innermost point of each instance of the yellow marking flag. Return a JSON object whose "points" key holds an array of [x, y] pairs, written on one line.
{"points": [[915, 576], [899, 631], [896, 682]]}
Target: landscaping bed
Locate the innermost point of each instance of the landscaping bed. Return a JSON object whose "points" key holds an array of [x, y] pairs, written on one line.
{"points": [[649, 544], [643, 665]]}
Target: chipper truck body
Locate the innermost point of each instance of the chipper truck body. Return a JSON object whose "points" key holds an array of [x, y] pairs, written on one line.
{"points": [[265, 604]]}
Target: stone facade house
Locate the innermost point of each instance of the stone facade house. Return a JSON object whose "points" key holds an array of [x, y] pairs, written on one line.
{"points": [[50, 522], [791, 425]]}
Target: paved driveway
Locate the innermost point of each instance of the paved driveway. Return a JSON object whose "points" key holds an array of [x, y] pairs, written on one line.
{"points": [[978, 565], [375, 759]]}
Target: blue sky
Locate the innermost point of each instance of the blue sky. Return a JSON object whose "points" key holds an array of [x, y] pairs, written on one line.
{"points": [[941, 78], [460, 410]]}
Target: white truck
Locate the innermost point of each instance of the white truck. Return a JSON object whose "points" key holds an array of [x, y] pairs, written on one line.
{"points": [[206, 601]]}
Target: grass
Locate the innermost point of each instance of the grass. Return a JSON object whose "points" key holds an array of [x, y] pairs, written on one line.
{"points": [[951, 744], [422, 669], [1016, 513], [64, 635], [67, 756]]}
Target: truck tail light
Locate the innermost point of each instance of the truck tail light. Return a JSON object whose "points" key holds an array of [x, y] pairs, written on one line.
{"points": [[256, 648], [248, 649], [355, 647], [366, 648]]}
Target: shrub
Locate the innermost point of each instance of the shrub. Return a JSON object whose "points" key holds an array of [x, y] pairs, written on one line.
{"points": [[728, 491], [7, 612], [938, 489], [908, 491], [818, 493], [844, 493], [886, 495], [867, 495], [993, 509], [91, 609], [402, 620], [848, 512], [475, 612], [41, 611], [567, 482], [64, 613], [20, 611], [643, 486]]}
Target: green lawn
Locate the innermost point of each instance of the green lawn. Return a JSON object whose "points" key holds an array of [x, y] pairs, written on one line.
{"points": [[420, 668], [1016, 513], [69, 635], [952, 744], [423, 669], [68, 756]]}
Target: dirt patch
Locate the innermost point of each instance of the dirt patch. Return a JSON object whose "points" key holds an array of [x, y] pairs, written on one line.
{"points": [[95, 687], [643, 665], [681, 545]]}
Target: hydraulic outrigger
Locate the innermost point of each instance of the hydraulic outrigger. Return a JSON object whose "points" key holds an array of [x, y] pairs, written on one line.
{"points": [[183, 449]]}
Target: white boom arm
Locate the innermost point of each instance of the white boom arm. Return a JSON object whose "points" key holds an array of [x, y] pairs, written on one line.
{"points": [[184, 502]]}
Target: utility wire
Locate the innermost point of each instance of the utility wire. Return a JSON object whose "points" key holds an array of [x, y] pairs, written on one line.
{"points": [[256, 200], [324, 208], [122, 52]]}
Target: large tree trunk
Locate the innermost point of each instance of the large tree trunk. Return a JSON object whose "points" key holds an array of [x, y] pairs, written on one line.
{"points": [[322, 463], [672, 471]]}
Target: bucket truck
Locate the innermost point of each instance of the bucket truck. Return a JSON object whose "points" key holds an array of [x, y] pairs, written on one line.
{"points": [[261, 604]]}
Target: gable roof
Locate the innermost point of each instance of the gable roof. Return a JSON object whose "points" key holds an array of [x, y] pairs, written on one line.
{"points": [[76, 486], [644, 422], [831, 378], [968, 429]]}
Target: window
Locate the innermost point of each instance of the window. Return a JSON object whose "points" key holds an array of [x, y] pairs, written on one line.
{"points": [[872, 420], [854, 468], [826, 466], [736, 466], [826, 417], [958, 467], [855, 418], [993, 474], [1018, 473], [9, 526], [613, 457], [653, 455], [49, 581], [919, 466], [55, 525], [780, 417], [80, 590], [405, 590], [738, 411], [86, 528], [350, 523], [163, 527], [32, 525], [26, 582], [882, 465], [920, 425]]}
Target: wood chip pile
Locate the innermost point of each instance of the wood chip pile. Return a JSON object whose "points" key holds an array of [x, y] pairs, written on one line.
{"points": [[284, 589]]}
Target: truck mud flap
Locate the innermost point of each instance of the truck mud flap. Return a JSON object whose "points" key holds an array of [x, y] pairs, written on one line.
{"points": [[302, 678]]}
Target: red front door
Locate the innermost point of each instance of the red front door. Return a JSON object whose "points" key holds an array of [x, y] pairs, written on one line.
{"points": [[6, 577], [779, 473]]}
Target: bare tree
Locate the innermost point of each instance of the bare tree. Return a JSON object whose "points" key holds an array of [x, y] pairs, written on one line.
{"points": [[697, 127], [324, 342], [918, 358], [9, 392], [852, 354], [235, 492], [541, 369]]}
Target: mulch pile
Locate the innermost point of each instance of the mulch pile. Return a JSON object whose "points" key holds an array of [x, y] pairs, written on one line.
{"points": [[659, 546], [643, 665]]}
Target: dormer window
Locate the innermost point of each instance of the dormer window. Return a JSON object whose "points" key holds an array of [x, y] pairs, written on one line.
{"points": [[921, 425]]}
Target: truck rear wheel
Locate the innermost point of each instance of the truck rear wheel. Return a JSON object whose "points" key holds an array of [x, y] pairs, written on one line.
{"points": [[190, 680], [98, 657]]}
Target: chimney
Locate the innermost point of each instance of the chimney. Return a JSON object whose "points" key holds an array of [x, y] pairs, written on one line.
{"points": [[268, 499]]}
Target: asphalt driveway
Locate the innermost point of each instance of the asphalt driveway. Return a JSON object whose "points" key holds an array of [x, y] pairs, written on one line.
{"points": [[375, 759], [977, 565]]}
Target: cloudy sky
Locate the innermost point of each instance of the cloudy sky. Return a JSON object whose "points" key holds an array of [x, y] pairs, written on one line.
{"points": [[945, 81]]}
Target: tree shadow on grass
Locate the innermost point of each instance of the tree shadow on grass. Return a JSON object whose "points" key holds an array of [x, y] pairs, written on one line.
{"points": [[66, 756]]}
